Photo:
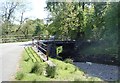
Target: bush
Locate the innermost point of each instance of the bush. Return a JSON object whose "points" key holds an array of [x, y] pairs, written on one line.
{"points": [[26, 59], [76, 80], [68, 61], [51, 70], [37, 68], [66, 68], [75, 69], [19, 75]]}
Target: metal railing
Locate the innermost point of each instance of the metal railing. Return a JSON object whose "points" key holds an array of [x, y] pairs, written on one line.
{"points": [[42, 48]]}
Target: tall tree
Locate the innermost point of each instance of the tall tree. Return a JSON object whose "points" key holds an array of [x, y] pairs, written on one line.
{"points": [[67, 18], [8, 13]]}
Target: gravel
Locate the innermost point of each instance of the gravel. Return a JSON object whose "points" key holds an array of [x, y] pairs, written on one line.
{"points": [[105, 72]]}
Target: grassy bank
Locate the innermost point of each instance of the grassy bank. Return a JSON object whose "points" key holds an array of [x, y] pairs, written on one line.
{"points": [[32, 69]]}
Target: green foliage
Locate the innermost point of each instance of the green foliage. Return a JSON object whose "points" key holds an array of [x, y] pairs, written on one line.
{"points": [[51, 71], [26, 59], [65, 19], [37, 31], [68, 60], [94, 20], [76, 68], [72, 21], [35, 55], [37, 68], [66, 71], [40, 28], [76, 80], [19, 75], [61, 72], [32, 54], [28, 29]]}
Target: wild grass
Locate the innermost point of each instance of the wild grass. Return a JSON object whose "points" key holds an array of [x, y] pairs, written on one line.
{"points": [[38, 68], [19, 75], [68, 60], [51, 71], [39, 71]]}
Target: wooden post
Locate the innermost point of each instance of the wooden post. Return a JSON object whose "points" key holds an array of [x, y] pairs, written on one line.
{"points": [[47, 53], [33, 41], [54, 49]]}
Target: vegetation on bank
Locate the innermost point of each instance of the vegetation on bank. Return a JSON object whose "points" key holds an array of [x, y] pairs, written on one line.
{"points": [[40, 71], [67, 21]]}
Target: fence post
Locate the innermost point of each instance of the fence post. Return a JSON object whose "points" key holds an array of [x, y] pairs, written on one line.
{"points": [[33, 41], [47, 53], [52, 47]]}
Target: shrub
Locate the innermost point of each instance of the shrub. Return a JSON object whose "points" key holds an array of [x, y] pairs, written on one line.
{"points": [[26, 59], [77, 80], [51, 70], [19, 75], [37, 68], [69, 61], [66, 68], [76, 68]]}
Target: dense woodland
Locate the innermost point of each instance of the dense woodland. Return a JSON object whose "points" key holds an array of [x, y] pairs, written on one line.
{"points": [[88, 21]]}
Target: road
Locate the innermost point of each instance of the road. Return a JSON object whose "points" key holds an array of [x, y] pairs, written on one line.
{"points": [[105, 72], [10, 56]]}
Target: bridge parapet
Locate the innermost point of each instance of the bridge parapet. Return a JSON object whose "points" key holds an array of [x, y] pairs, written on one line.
{"points": [[48, 47]]}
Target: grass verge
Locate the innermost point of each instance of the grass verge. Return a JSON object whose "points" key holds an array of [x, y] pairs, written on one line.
{"points": [[39, 71]]}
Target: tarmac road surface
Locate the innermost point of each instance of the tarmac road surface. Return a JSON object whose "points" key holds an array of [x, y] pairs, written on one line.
{"points": [[10, 54]]}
